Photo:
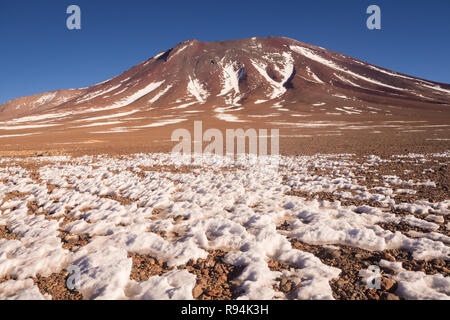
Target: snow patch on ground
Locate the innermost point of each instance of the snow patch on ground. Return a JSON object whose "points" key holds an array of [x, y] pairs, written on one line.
{"points": [[196, 89]]}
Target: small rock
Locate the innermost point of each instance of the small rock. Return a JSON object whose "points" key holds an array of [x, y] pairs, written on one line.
{"points": [[223, 278], [373, 295], [391, 296], [197, 291], [218, 268], [387, 284], [287, 286], [366, 264], [178, 218], [213, 292], [210, 263], [162, 234], [359, 256], [341, 282], [388, 257], [190, 269]]}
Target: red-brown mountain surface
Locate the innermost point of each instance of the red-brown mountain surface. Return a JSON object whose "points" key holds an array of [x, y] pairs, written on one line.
{"points": [[316, 97]]}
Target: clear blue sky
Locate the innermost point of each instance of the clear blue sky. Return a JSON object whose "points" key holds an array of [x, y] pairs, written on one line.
{"points": [[38, 53]]}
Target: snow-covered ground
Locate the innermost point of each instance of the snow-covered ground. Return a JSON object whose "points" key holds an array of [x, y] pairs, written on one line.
{"points": [[125, 205]]}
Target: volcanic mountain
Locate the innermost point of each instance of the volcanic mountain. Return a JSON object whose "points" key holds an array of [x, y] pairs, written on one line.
{"points": [[304, 90]]}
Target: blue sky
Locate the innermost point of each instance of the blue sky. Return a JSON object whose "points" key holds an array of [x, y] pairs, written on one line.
{"points": [[38, 53]]}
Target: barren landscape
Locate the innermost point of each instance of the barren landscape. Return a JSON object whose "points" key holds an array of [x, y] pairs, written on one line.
{"points": [[87, 181]]}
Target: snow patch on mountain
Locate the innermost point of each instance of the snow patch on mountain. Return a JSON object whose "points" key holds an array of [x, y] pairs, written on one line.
{"points": [[310, 54], [230, 78], [285, 69], [134, 97], [160, 94]]}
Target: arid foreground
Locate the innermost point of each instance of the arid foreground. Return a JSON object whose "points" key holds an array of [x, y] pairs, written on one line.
{"points": [[140, 227]]}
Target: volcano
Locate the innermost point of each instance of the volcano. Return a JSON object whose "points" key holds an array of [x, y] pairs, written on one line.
{"points": [[306, 91]]}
